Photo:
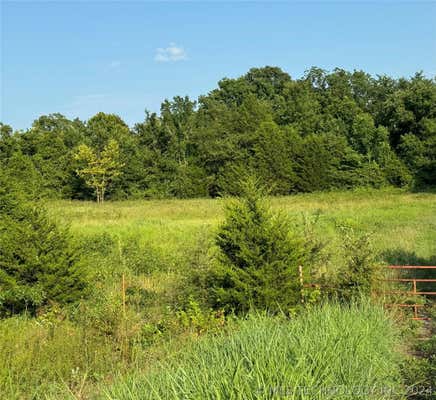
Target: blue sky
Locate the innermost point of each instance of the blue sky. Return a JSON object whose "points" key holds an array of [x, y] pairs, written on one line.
{"points": [[78, 58]]}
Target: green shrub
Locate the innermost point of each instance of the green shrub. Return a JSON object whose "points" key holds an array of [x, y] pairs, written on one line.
{"points": [[361, 270], [194, 282], [38, 262], [140, 258], [258, 258], [194, 318], [97, 245]]}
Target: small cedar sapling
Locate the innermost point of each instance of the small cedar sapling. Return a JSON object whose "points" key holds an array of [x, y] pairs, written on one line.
{"points": [[259, 256]]}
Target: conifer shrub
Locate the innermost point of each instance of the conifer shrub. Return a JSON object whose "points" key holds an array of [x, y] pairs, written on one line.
{"points": [[259, 256], [38, 261]]}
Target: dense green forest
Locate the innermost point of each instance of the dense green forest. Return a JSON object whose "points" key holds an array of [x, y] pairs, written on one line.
{"points": [[326, 130]]}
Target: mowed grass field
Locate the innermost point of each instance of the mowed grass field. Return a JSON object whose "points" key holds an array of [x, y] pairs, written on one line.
{"points": [[403, 224]]}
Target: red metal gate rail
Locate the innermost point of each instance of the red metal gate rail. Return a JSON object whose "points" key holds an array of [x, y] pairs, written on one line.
{"points": [[414, 292]]}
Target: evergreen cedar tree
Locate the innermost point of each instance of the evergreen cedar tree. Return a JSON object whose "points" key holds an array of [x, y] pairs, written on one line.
{"points": [[38, 262], [323, 131], [259, 257]]}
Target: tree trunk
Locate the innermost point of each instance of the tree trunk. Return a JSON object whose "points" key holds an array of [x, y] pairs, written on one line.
{"points": [[98, 193]]}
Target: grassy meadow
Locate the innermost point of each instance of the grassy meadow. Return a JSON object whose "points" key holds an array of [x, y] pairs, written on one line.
{"points": [[149, 349], [403, 223]]}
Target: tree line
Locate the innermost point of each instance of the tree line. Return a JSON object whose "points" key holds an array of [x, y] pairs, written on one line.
{"points": [[325, 130]]}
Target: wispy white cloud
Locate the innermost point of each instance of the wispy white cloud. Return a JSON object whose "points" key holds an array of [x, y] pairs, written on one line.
{"points": [[170, 54], [115, 64]]}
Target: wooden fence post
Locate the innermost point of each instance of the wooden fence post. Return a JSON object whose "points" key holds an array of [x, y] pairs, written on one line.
{"points": [[300, 273]]}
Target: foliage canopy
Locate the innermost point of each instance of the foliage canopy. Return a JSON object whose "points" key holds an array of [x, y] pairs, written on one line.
{"points": [[325, 130]]}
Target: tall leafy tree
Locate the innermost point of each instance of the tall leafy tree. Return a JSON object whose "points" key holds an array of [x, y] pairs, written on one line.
{"points": [[336, 129], [50, 143], [102, 128], [274, 157], [99, 169]]}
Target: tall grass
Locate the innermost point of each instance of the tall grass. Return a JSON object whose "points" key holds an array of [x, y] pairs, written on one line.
{"points": [[329, 352], [39, 360]]}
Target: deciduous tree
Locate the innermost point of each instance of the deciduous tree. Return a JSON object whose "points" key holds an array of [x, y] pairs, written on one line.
{"points": [[99, 169]]}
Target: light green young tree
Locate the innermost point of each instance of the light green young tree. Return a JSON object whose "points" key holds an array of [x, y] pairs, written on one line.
{"points": [[99, 169]]}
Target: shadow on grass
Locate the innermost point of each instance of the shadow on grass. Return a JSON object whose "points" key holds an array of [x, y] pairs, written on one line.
{"points": [[403, 257]]}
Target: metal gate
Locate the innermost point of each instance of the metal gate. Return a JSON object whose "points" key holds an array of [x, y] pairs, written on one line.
{"points": [[414, 289]]}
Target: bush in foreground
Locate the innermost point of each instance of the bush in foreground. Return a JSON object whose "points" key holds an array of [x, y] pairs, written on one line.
{"points": [[38, 262], [326, 353], [259, 256]]}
